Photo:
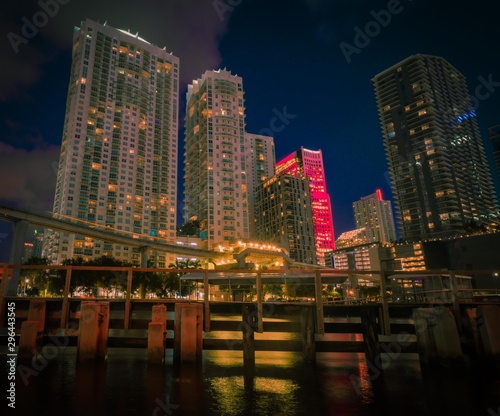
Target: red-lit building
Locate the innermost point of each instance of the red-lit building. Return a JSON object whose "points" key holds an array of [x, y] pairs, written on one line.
{"points": [[308, 164]]}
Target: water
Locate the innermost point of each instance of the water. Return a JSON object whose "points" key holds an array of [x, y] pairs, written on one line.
{"points": [[279, 384]]}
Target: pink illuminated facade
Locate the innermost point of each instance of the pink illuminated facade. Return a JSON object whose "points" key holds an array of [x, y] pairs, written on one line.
{"points": [[308, 164]]}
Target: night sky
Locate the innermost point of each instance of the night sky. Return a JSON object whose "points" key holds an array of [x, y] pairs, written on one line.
{"points": [[289, 56]]}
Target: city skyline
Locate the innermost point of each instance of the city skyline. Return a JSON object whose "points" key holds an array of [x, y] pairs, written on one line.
{"points": [[286, 79]]}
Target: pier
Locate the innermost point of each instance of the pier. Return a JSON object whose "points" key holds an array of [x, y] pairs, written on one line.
{"points": [[454, 329]]}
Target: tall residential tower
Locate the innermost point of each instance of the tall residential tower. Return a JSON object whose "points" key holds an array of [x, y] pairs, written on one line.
{"points": [[284, 216], [437, 164], [118, 163], [215, 187], [260, 160], [376, 214]]}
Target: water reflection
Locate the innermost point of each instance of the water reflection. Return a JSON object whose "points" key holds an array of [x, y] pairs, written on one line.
{"points": [[279, 383]]}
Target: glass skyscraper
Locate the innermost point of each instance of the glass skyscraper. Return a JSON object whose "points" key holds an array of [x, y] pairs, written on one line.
{"points": [[437, 165], [308, 164]]}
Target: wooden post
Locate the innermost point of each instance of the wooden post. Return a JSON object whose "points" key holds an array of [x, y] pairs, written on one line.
{"points": [[159, 314], [422, 320], [260, 318], [28, 341], [488, 318], [320, 321], [370, 333], [471, 335], [188, 335], [247, 330], [102, 335], [36, 312], [206, 301], [65, 304], [156, 342], [88, 331], [3, 287], [454, 300], [126, 318], [386, 324], [307, 334], [437, 338]]}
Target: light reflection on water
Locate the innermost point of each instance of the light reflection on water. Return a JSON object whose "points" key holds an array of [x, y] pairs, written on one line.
{"points": [[279, 384]]}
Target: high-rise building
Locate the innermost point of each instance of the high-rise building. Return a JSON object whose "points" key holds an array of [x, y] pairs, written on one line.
{"points": [[260, 161], [495, 141], [308, 164], [375, 213], [351, 238], [215, 186], [37, 243], [118, 163], [437, 164], [284, 216]]}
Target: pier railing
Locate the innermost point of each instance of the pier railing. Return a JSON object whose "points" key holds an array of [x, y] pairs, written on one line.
{"points": [[240, 303], [251, 286]]}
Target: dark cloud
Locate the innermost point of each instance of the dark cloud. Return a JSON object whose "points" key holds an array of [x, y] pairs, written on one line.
{"points": [[190, 29], [17, 133], [27, 177]]}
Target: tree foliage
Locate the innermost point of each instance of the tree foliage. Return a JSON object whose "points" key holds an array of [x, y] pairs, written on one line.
{"points": [[189, 228], [185, 287]]}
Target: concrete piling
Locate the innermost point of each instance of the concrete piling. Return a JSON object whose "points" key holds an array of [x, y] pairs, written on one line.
{"points": [[102, 335], [370, 333], [248, 328], [36, 312], [188, 336], [28, 341], [159, 314], [488, 318], [156, 342], [437, 338], [93, 331], [32, 330], [307, 334]]}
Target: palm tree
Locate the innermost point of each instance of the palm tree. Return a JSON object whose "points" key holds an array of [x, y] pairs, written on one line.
{"points": [[175, 278]]}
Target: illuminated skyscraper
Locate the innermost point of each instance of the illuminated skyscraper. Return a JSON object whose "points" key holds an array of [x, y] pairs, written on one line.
{"points": [[260, 160], [284, 216], [308, 164], [118, 163], [215, 187], [374, 213], [437, 164]]}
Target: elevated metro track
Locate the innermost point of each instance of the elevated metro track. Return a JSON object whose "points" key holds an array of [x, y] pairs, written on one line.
{"points": [[99, 232]]}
